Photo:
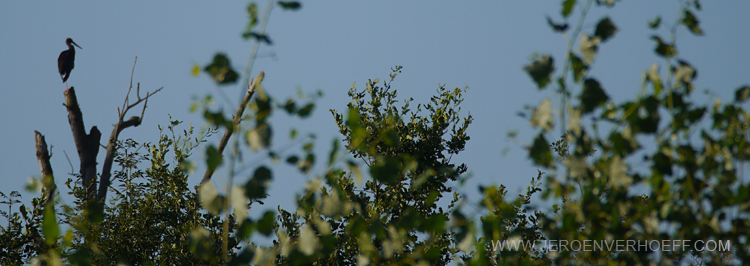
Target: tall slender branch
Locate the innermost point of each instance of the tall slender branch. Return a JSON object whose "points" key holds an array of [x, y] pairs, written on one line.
{"points": [[235, 120], [256, 45], [566, 64]]}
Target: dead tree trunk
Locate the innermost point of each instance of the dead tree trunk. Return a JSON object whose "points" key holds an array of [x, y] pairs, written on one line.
{"points": [[86, 144]]}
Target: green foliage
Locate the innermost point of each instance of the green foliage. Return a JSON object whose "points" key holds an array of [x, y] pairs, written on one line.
{"points": [[540, 70], [20, 239], [690, 191], [394, 203], [221, 70], [155, 208], [394, 218]]}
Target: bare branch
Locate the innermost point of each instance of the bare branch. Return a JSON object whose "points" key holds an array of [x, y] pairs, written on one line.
{"points": [[42, 155], [236, 120], [122, 124]]}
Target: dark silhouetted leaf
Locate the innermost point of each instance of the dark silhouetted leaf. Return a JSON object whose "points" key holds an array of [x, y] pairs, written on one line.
{"points": [[386, 170], [541, 70], [663, 164], [605, 29], [217, 119], [306, 110], [221, 70], [592, 96], [742, 94], [557, 27], [540, 152], [255, 188], [655, 22], [567, 7], [578, 66], [292, 159], [257, 37], [691, 22], [290, 5], [334, 151], [252, 12], [265, 224], [290, 107], [663, 49], [213, 157]]}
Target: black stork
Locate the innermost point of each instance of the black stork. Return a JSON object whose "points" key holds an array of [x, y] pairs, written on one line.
{"points": [[65, 61]]}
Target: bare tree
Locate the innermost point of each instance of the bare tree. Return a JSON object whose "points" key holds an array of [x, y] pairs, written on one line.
{"points": [[88, 144]]}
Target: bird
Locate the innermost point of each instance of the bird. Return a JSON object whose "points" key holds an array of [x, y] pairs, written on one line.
{"points": [[65, 61]]}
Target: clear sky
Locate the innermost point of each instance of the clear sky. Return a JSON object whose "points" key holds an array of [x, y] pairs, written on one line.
{"points": [[328, 45]]}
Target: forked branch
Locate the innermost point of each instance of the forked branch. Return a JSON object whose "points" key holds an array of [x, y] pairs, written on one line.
{"points": [[122, 124]]}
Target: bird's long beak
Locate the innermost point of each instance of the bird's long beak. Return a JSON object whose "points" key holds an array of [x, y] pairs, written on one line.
{"points": [[75, 44]]}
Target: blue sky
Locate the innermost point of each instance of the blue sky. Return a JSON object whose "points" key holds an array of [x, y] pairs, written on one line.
{"points": [[328, 45]]}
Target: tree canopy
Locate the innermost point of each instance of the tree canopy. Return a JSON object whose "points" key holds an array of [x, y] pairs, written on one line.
{"points": [[653, 179]]}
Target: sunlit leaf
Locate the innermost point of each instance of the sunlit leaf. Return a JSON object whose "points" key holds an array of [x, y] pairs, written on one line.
{"points": [[308, 242], [210, 198], [618, 177], [655, 78], [589, 46], [196, 70], [260, 137], [684, 73], [239, 203], [542, 116]]}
